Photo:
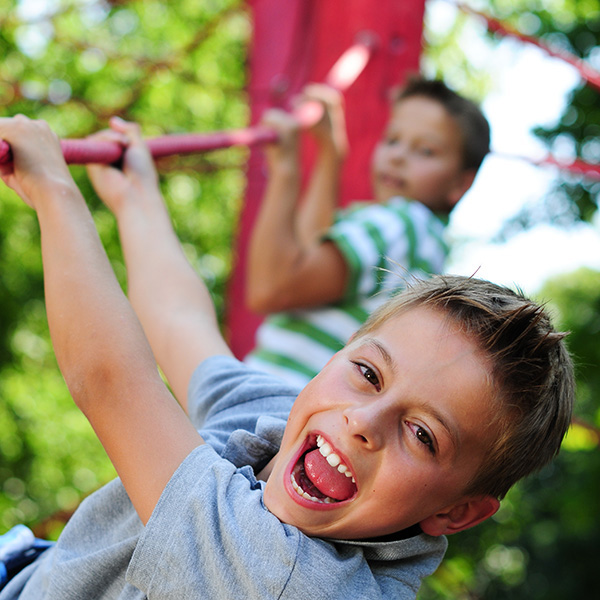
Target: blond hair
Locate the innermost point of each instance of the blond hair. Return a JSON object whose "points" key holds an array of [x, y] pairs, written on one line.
{"points": [[530, 368]]}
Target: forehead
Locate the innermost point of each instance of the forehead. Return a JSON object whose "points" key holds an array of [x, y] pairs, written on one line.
{"points": [[433, 364], [427, 328], [425, 115]]}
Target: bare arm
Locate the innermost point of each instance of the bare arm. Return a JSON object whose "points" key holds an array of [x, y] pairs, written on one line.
{"points": [[288, 265], [99, 344], [171, 301], [317, 208]]}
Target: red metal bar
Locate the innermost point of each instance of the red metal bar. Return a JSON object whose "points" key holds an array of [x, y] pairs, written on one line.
{"points": [[82, 151], [577, 165]]}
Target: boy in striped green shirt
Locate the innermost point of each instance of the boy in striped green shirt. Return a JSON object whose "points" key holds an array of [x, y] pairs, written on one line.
{"points": [[317, 272]]}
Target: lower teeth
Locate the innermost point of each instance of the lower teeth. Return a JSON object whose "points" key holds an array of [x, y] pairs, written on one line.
{"points": [[302, 493]]}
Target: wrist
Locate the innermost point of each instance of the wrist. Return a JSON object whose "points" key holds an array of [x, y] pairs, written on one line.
{"points": [[285, 170], [138, 204], [54, 190], [332, 151]]}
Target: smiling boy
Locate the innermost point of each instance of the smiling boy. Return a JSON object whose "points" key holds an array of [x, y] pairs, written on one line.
{"points": [[411, 442], [447, 395]]}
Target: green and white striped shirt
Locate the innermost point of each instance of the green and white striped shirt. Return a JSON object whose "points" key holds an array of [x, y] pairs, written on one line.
{"points": [[383, 245]]}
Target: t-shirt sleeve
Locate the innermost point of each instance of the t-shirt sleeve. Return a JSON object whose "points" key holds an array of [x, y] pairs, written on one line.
{"points": [[210, 536], [401, 236], [225, 395]]}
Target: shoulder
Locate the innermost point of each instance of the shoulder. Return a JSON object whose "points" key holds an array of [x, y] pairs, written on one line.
{"points": [[341, 569], [395, 210], [220, 382], [226, 395]]}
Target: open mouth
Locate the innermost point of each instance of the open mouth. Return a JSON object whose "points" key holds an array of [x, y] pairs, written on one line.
{"points": [[320, 475], [392, 182]]}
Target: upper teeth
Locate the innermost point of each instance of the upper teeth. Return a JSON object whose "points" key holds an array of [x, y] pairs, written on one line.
{"points": [[332, 458]]}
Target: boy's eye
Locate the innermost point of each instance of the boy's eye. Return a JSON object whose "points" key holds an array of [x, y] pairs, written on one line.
{"points": [[423, 437], [370, 375], [426, 152]]}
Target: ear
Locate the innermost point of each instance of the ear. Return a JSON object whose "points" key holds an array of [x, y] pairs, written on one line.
{"points": [[464, 181], [462, 515]]}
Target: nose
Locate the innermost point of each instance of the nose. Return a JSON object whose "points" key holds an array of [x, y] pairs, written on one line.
{"points": [[398, 151], [367, 424]]}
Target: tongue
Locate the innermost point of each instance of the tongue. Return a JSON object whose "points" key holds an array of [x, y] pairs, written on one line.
{"points": [[326, 478]]}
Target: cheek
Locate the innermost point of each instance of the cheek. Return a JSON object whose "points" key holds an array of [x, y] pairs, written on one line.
{"points": [[379, 158], [432, 177], [446, 171], [309, 402], [295, 420]]}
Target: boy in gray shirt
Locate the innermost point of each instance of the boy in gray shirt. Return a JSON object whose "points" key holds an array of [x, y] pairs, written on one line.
{"points": [[236, 485]]}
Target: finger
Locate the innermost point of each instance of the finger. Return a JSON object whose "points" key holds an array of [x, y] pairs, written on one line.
{"points": [[315, 91], [32, 142], [95, 170], [272, 116], [109, 135], [132, 131], [323, 93], [135, 142]]}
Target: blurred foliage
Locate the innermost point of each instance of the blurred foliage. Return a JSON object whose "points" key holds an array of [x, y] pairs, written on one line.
{"points": [[445, 57], [179, 67], [577, 300], [572, 26], [176, 67]]}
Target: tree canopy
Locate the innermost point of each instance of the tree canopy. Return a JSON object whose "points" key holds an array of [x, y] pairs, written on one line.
{"points": [[173, 68], [181, 67]]}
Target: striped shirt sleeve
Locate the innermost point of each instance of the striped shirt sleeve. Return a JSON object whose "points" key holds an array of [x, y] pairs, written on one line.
{"points": [[399, 235]]}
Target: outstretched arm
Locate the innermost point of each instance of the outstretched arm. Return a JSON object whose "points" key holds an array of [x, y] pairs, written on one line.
{"points": [[99, 343], [317, 209], [288, 266], [171, 301]]}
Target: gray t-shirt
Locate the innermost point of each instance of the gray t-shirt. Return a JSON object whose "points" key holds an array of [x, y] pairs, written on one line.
{"points": [[210, 535]]}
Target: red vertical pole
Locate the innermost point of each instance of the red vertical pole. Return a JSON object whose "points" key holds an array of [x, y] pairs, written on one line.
{"points": [[296, 42]]}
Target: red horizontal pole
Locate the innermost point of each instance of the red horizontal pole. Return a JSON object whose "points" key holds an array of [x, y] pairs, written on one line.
{"points": [[83, 151], [577, 166], [343, 73]]}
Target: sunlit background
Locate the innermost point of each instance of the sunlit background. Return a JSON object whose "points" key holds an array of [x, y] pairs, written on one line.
{"points": [[180, 66], [528, 89]]}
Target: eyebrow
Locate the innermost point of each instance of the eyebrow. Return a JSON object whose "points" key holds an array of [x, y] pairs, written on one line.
{"points": [[387, 357], [453, 432]]}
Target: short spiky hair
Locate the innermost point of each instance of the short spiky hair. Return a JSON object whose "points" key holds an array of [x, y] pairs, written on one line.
{"points": [[530, 369], [472, 123]]}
